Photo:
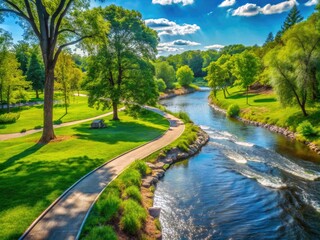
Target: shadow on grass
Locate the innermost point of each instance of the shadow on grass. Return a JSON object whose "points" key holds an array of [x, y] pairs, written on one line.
{"points": [[12, 160], [35, 185], [242, 96], [118, 131], [265, 100], [298, 117], [128, 131]]}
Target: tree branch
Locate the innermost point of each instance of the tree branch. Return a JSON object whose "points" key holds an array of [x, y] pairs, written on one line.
{"points": [[68, 44]]}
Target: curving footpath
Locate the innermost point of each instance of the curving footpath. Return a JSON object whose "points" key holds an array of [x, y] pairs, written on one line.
{"points": [[8, 136], [64, 218]]}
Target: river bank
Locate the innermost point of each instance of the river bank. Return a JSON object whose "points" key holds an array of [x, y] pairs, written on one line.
{"points": [[273, 128], [177, 92], [163, 162]]}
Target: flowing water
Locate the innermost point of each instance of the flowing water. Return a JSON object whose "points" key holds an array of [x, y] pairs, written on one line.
{"points": [[246, 183]]}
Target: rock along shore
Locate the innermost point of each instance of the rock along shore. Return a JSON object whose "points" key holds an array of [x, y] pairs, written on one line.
{"points": [[287, 133], [159, 167]]}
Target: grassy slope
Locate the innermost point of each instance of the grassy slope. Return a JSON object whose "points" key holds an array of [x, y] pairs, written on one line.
{"points": [[33, 176], [265, 108], [31, 117]]}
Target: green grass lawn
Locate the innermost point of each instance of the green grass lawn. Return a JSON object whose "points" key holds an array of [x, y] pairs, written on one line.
{"points": [[265, 107], [32, 176], [32, 117]]}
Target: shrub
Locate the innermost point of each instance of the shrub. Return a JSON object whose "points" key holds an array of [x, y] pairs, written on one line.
{"points": [[132, 192], [142, 167], [129, 178], [102, 232], [9, 118], [184, 117], [37, 127], [306, 129], [233, 110], [133, 217], [161, 85], [185, 75], [108, 207], [23, 130]]}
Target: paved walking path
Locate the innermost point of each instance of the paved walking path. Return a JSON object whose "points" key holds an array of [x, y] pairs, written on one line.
{"points": [[63, 219], [17, 135]]}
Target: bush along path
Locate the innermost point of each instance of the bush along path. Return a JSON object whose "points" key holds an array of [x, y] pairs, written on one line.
{"points": [[125, 209], [4, 137], [273, 128], [63, 219]]}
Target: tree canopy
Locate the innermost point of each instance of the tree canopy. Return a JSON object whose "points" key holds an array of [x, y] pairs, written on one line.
{"points": [[121, 69]]}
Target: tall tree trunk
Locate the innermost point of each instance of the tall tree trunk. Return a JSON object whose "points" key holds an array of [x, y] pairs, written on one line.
{"points": [[37, 93], [48, 133], [247, 95], [65, 101], [227, 91], [224, 92], [303, 108], [8, 100], [115, 110]]}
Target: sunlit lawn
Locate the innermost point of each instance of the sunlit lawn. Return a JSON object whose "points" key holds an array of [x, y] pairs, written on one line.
{"points": [[32, 117], [32, 176], [266, 108]]}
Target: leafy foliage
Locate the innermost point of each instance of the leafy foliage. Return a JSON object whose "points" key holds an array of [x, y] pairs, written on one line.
{"points": [[185, 75], [9, 118], [165, 72], [233, 110], [306, 129], [120, 69]]}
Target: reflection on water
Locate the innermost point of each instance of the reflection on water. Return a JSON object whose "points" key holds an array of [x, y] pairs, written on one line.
{"points": [[247, 183]]}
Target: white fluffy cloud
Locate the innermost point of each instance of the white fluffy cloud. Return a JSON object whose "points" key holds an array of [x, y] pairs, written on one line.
{"points": [[215, 46], [251, 9], [247, 10], [170, 2], [227, 3], [165, 27], [311, 3], [175, 46]]}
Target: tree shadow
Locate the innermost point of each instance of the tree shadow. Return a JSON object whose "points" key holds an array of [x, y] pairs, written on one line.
{"points": [[35, 185], [116, 131], [11, 161], [298, 117], [265, 100]]}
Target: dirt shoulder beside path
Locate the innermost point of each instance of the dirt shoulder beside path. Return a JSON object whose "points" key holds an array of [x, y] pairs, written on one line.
{"points": [[63, 219]]}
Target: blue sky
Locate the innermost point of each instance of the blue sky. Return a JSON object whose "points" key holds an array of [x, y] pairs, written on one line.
{"points": [[203, 24]]}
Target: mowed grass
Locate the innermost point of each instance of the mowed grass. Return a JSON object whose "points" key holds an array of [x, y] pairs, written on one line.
{"points": [[32, 117], [265, 108], [32, 176]]}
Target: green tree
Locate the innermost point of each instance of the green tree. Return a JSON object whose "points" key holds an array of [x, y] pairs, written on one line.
{"points": [[121, 69], [161, 85], [294, 66], [185, 75], [246, 69], [12, 83], [293, 18], [57, 25], [216, 77], [64, 74], [23, 55], [269, 39], [165, 72], [35, 74]]}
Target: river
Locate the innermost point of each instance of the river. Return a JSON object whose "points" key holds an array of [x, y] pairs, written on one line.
{"points": [[246, 183]]}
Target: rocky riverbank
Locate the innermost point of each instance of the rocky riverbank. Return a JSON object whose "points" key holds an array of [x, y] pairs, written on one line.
{"points": [[287, 133], [162, 163], [176, 92]]}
